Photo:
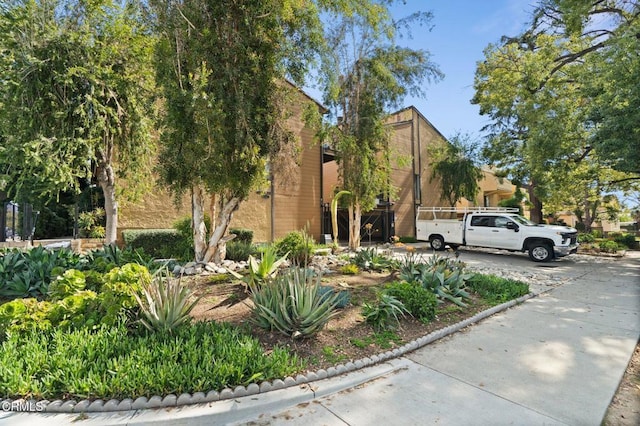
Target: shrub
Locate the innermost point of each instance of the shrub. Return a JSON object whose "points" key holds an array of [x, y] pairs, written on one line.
{"points": [[383, 314], [110, 256], [350, 269], [495, 289], [420, 302], [157, 243], [24, 316], [625, 239], [70, 282], [165, 304], [298, 245], [292, 304], [242, 235], [111, 363], [586, 238], [239, 251], [80, 310], [608, 246], [118, 301]]}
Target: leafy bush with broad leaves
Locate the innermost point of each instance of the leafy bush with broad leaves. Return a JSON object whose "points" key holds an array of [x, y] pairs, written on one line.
{"points": [[608, 246], [24, 316], [292, 304], [76, 311], [111, 256], [165, 304], [624, 239], [586, 238], [297, 245], [118, 300], [496, 289], [384, 313], [420, 302], [110, 362], [71, 281]]}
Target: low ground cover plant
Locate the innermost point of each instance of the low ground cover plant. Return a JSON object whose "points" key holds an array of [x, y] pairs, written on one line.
{"points": [[496, 289], [113, 363]]}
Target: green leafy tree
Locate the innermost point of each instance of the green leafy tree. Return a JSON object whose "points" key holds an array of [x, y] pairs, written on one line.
{"points": [[74, 98], [364, 75], [550, 96], [222, 66], [454, 166]]}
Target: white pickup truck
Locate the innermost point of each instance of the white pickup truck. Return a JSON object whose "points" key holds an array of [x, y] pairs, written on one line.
{"points": [[494, 227]]}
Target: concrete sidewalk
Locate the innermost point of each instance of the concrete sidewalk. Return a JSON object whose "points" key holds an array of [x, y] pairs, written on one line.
{"points": [[555, 359]]}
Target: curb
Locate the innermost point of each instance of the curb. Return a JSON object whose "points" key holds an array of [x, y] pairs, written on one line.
{"points": [[186, 399]]}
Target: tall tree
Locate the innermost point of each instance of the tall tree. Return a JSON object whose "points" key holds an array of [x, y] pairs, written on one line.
{"points": [[364, 76], [455, 166], [549, 103], [74, 98], [222, 65]]}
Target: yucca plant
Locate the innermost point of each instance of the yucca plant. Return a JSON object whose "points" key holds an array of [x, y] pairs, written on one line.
{"points": [[165, 304], [293, 304]]}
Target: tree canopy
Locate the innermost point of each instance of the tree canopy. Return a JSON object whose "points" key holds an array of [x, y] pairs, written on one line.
{"points": [[563, 92], [454, 166], [74, 98], [364, 75]]}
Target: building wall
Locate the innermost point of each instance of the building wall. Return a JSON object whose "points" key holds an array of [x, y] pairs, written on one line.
{"points": [[412, 138], [296, 202]]}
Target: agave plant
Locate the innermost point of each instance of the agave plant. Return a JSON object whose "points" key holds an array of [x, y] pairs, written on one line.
{"points": [[383, 314], [165, 304], [266, 269], [293, 304]]}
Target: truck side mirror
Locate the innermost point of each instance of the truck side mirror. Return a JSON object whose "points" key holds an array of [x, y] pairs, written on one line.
{"points": [[513, 225]]}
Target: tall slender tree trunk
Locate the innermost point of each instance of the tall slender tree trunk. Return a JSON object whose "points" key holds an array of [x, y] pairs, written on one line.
{"points": [[536, 204], [107, 182], [198, 227], [216, 250], [355, 219]]}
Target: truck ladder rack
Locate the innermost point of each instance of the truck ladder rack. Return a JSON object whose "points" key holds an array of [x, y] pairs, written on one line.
{"points": [[463, 210]]}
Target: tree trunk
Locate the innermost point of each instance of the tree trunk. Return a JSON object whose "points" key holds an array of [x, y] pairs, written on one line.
{"points": [[198, 227], [106, 180], [355, 219], [536, 204], [216, 250]]}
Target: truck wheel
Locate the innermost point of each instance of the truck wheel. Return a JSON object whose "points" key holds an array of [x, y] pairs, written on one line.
{"points": [[540, 252], [437, 243]]}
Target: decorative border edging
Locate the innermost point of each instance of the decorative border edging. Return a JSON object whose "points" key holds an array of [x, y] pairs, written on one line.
{"points": [[171, 400]]}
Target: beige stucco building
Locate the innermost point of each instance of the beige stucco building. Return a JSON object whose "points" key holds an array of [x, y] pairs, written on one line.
{"points": [[287, 203]]}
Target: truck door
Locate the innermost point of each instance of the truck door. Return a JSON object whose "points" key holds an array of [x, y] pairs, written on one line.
{"points": [[503, 237], [478, 232], [491, 231]]}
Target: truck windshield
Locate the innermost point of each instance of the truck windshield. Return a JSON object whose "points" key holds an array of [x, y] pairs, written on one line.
{"points": [[522, 220]]}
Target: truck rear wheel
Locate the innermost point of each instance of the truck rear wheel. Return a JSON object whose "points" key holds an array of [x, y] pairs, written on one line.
{"points": [[437, 243], [540, 252]]}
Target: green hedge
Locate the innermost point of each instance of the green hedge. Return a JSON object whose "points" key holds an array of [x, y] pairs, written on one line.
{"points": [[158, 243]]}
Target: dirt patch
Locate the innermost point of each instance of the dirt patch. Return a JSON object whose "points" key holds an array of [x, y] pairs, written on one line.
{"points": [[347, 337], [624, 409]]}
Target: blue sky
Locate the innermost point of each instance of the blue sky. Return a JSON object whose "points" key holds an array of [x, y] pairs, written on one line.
{"points": [[462, 30]]}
